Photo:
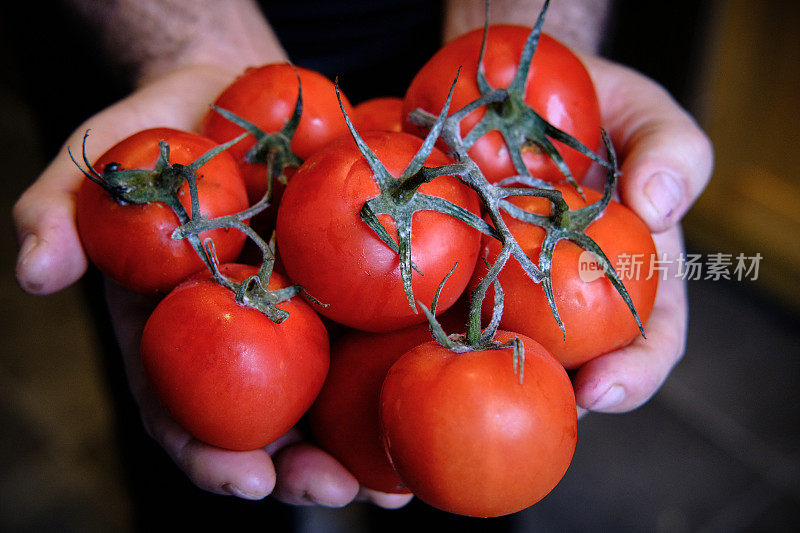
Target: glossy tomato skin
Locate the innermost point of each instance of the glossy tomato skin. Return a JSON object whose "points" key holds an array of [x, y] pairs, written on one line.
{"points": [[326, 248], [226, 373], [467, 437], [266, 96], [383, 113], [595, 317], [559, 89], [344, 418], [132, 243]]}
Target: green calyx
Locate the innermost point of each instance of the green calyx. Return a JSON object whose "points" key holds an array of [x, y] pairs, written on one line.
{"points": [[143, 186], [272, 149], [161, 184], [521, 126], [254, 291], [400, 197], [571, 224]]}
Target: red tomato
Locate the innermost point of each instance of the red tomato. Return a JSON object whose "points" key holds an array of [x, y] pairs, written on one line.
{"points": [[266, 96], [595, 316], [467, 437], [329, 250], [225, 372], [132, 243], [384, 114], [558, 88], [344, 418]]}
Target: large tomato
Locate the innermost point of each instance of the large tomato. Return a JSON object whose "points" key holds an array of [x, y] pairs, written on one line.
{"points": [[225, 372], [132, 243], [595, 316], [266, 97], [329, 250], [558, 88], [466, 436]]}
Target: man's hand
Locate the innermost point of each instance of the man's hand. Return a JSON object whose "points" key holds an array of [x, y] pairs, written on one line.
{"points": [[625, 379], [666, 162]]}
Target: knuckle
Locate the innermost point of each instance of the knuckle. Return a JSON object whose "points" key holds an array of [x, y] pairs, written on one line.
{"points": [[698, 152]]}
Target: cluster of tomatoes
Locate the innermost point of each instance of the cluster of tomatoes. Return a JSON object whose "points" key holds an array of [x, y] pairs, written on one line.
{"points": [[478, 429]]}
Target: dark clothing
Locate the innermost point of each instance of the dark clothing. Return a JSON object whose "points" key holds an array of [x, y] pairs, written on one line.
{"points": [[373, 47]]}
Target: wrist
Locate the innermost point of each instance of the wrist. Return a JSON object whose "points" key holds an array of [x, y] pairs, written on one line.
{"points": [[149, 39], [243, 40], [579, 24]]}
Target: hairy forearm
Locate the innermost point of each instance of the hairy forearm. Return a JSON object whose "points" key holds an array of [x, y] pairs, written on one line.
{"points": [[153, 37], [577, 23]]}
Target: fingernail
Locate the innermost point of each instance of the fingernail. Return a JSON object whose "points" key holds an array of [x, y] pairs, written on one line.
{"points": [[664, 193], [611, 398], [233, 490], [23, 272], [28, 243]]}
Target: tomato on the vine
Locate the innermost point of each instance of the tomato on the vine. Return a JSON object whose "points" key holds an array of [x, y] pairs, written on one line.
{"points": [[595, 317], [225, 372], [558, 88], [469, 435], [130, 242], [328, 249], [266, 96]]}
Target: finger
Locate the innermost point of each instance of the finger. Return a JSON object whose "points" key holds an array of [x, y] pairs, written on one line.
{"points": [[625, 379], [287, 439], [309, 476], [245, 474], [666, 158], [248, 474], [384, 499], [50, 254]]}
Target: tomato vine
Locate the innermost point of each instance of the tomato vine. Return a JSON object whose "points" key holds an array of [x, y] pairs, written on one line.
{"points": [[521, 126]]}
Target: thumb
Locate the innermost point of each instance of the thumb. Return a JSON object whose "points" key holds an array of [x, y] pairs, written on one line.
{"points": [[50, 254]]}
